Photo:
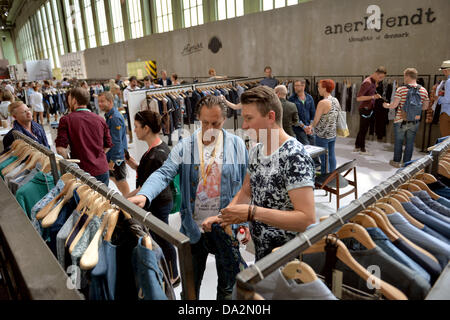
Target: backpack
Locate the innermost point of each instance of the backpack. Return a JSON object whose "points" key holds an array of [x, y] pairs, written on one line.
{"points": [[412, 109]]}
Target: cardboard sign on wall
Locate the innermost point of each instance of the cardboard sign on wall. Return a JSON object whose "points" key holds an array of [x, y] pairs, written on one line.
{"points": [[39, 70]]}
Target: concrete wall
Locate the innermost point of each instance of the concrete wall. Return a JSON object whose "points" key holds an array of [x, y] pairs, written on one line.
{"points": [[293, 41], [7, 47]]}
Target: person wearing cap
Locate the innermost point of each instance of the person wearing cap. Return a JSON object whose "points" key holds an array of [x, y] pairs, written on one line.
{"points": [[444, 100]]}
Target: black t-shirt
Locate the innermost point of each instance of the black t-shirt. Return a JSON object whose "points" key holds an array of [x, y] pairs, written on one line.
{"points": [[150, 162]]}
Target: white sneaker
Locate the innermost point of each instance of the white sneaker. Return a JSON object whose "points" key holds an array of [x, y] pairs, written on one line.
{"points": [[356, 150]]}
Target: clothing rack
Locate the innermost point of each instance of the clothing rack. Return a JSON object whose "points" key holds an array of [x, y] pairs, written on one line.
{"points": [[316, 78], [303, 241], [436, 152], [159, 227], [217, 83], [42, 149]]}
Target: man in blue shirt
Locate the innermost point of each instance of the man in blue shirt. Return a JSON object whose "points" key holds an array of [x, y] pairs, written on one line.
{"points": [[24, 124], [116, 155], [269, 80], [444, 101], [306, 111], [212, 164]]}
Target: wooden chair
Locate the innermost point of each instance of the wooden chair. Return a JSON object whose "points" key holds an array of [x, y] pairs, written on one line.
{"points": [[334, 181]]}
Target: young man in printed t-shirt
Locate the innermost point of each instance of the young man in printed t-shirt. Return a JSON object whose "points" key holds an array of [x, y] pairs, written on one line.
{"points": [[277, 196], [405, 129]]}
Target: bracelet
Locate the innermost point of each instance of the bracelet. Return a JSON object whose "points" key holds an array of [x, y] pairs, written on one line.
{"points": [[252, 217], [249, 212]]}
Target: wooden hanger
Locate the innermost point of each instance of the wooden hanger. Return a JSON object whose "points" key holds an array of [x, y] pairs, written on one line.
{"points": [[345, 257], [364, 220], [33, 160], [426, 177], [298, 270], [405, 192], [443, 170], [423, 186], [83, 228], [381, 224], [68, 179], [389, 230], [391, 205], [112, 221], [88, 204], [18, 143], [51, 217], [24, 154], [90, 257], [355, 231], [410, 186]]}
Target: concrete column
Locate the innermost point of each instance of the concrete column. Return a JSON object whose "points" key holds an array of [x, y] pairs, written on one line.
{"points": [[154, 24], [252, 6], [109, 21], [177, 14], [96, 26], [125, 20], [146, 17], [84, 22], [62, 23], [209, 10]]}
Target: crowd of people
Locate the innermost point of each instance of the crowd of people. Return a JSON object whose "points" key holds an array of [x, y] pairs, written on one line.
{"points": [[268, 190]]}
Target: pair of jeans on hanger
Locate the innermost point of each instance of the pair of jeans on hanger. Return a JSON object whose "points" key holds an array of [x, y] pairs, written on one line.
{"points": [[228, 260]]}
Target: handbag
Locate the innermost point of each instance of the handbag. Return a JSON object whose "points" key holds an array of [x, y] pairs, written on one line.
{"points": [[341, 124]]}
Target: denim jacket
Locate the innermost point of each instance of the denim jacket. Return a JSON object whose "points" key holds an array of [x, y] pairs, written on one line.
{"points": [[117, 128], [184, 159], [307, 111]]}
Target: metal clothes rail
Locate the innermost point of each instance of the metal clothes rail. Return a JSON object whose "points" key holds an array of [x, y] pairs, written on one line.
{"points": [[303, 241], [40, 148], [436, 152], [154, 224]]}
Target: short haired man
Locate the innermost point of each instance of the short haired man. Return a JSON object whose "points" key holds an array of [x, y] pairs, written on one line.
{"points": [[306, 111], [23, 122], [87, 134], [8, 86], [116, 155], [367, 95], [164, 81], [148, 83], [65, 83], [269, 80], [212, 164], [290, 113], [444, 100], [133, 85], [406, 129], [277, 196]]}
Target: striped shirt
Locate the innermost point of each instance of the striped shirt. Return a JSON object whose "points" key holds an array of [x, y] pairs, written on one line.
{"points": [[401, 94]]}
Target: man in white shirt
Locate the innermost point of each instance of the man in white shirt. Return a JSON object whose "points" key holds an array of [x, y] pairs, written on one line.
{"points": [[8, 87], [131, 87]]}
